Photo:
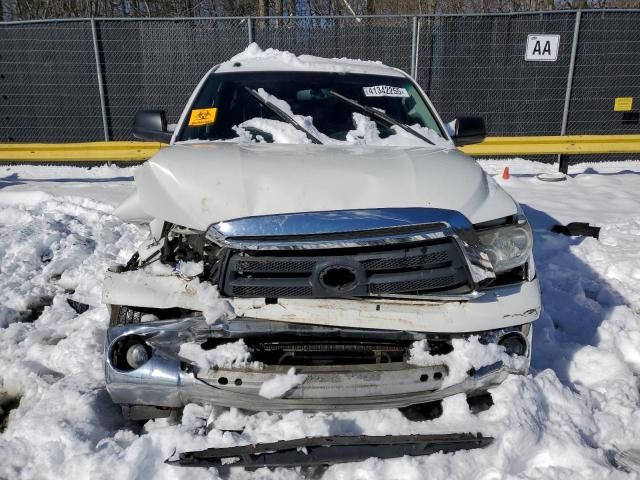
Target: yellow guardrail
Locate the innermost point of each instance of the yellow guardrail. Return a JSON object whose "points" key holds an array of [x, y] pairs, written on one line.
{"points": [[563, 145], [79, 152], [491, 146]]}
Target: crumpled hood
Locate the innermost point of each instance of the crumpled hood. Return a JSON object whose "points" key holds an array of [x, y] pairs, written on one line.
{"points": [[195, 185]]}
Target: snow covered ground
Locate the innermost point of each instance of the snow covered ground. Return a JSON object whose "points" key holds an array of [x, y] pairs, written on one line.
{"points": [[566, 419]]}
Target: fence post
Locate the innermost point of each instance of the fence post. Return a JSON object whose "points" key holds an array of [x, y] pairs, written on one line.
{"points": [[103, 105], [563, 160], [415, 32], [250, 29]]}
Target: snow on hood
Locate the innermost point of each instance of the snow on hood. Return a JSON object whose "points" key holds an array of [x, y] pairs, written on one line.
{"points": [[196, 185]]}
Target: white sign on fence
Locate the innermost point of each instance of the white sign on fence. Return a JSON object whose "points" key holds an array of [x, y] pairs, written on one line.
{"points": [[542, 48]]}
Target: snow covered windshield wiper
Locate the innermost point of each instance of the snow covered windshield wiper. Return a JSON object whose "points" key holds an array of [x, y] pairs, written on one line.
{"points": [[381, 116], [282, 114]]}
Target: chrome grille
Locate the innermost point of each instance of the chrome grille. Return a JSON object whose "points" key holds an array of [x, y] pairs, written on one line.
{"points": [[413, 269]]}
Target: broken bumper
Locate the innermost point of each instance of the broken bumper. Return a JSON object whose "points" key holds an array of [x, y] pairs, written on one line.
{"points": [[494, 308], [167, 382]]}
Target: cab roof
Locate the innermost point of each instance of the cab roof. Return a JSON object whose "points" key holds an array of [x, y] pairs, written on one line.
{"points": [[254, 59]]}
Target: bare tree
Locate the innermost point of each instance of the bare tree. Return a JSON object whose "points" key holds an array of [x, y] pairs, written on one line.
{"points": [[36, 9], [263, 8]]}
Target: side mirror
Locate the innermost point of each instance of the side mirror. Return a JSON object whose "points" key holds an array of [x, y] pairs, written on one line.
{"points": [[151, 125], [468, 130]]}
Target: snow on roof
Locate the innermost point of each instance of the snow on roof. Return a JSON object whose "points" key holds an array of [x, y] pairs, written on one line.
{"points": [[254, 58]]}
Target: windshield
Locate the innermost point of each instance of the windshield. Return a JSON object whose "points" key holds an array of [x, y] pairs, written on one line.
{"points": [[315, 108]]}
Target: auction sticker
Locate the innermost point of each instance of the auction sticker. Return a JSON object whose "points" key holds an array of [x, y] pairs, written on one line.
{"points": [[202, 116], [385, 91]]}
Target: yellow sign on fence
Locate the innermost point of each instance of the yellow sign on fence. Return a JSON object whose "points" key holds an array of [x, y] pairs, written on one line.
{"points": [[623, 104]]}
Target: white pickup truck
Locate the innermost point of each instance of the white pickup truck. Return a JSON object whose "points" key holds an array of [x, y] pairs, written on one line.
{"points": [[317, 243]]}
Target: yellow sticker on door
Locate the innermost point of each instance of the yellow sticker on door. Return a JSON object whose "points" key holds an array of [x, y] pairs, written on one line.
{"points": [[202, 116], [623, 104]]}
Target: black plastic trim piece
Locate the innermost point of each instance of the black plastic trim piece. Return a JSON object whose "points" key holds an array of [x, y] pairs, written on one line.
{"points": [[318, 451]]}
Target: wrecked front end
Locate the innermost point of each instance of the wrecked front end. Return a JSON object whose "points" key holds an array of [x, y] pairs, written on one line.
{"points": [[340, 310]]}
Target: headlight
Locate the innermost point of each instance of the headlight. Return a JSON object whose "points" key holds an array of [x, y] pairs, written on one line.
{"points": [[507, 247]]}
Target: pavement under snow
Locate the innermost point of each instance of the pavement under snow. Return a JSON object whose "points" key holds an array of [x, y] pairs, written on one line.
{"points": [[566, 419]]}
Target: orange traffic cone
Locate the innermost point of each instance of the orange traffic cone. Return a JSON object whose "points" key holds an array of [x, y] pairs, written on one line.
{"points": [[505, 174]]}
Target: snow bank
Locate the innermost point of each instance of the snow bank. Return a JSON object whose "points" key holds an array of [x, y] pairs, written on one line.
{"points": [[579, 403], [48, 247], [105, 184]]}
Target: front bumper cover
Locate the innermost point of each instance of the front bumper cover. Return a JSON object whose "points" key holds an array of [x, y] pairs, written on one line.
{"points": [[498, 307], [167, 382]]}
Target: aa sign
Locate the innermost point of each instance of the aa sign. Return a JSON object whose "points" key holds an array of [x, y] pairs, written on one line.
{"points": [[542, 48]]}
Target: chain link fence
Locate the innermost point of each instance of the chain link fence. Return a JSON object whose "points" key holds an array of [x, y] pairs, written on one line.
{"points": [[477, 64], [84, 79]]}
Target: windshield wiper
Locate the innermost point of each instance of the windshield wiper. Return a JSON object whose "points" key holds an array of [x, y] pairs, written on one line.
{"points": [[381, 116], [282, 114]]}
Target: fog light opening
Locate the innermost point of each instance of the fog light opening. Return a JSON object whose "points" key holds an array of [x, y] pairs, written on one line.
{"points": [[130, 352], [514, 344]]}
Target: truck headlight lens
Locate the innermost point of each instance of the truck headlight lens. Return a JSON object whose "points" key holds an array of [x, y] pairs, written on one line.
{"points": [[507, 247]]}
